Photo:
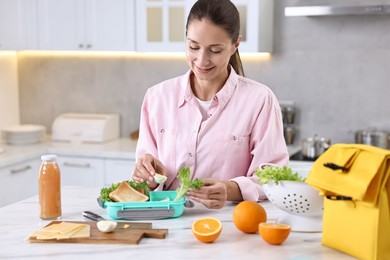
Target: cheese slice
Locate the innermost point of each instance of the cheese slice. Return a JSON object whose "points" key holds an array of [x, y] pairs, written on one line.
{"points": [[84, 231], [63, 230]]}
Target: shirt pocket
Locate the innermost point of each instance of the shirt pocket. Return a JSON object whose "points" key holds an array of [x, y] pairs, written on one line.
{"points": [[235, 150]]}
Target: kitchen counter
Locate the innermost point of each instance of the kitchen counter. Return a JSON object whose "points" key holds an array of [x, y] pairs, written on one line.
{"points": [[123, 148], [20, 219]]}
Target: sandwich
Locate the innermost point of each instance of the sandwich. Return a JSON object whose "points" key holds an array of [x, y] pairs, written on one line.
{"points": [[125, 193]]}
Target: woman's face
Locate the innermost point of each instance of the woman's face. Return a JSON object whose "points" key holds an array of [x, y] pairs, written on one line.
{"points": [[208, 50]]}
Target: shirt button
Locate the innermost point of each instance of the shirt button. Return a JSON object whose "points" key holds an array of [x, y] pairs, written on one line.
{"points": [[162, 130], [190, 155], [209, 115], [215, 98], [234, 138]]}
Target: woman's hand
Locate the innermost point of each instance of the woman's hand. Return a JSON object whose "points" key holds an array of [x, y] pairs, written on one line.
{"points": [[146, 167], [213, 195]]}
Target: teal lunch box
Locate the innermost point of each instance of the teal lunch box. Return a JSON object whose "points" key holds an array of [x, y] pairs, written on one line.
{"points": [[161, 205]]}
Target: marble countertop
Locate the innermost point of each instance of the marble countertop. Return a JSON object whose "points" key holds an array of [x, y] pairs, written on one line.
{"points": [[123, 148], [20, 219]]}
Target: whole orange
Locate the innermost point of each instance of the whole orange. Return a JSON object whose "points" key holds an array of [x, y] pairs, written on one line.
{"points": [[247, 216], [274, 233]]}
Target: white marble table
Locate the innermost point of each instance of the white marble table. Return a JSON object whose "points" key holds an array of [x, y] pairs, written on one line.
{"points": [[18, 220]]}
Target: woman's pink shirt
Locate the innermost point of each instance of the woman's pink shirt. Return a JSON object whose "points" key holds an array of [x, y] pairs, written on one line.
{"points": [[244, 129]]}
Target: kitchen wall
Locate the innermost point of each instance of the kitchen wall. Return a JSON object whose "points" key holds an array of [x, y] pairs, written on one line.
{"points": [[9, 101], [336, 69]]}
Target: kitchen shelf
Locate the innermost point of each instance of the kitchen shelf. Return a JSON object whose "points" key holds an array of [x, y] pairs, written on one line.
{"points": [[336, 10]]}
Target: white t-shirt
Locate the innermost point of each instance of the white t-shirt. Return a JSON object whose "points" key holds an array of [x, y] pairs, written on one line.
{"points": [[204, 107]]}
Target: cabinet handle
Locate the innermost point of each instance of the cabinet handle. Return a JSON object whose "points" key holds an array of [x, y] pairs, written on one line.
{"points": [[89, 46], [77, 165], [81, 45], [23, 169]]}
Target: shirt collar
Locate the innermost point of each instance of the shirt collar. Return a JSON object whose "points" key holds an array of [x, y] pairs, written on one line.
{"points": [[223, 95]]}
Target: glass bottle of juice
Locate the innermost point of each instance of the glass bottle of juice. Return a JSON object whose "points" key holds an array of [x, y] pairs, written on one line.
{"points": [[49, 181]]}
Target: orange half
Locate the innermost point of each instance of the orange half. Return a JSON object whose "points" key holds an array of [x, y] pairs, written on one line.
{"points": [[274, 233], [207, 230]]}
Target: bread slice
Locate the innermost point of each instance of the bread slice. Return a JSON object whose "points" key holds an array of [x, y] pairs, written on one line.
{"points": [[126, 193]]}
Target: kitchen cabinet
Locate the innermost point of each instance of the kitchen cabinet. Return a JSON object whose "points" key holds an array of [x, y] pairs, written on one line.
{"points": [[19, 181], [81, 171], [256, 20], [17, 25], [121, 25], [117, 170], [161, 25], [94, 172], [86, 25]]}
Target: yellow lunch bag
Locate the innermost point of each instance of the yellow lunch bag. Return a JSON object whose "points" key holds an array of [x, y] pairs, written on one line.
{"points": [[354, 180]]}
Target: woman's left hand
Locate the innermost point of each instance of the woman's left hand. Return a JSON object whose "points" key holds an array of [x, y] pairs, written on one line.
{"points": [[213, 195]]}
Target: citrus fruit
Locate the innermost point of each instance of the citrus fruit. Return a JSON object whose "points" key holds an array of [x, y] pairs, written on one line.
{"points": [[247, 216], [274, 233], [207, 230]]}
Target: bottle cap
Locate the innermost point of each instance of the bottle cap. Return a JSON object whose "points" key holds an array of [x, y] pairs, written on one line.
{"points": [[49, 157]]}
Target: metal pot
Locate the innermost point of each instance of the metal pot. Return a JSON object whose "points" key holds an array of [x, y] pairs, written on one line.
{"points": [[373, 137], [313, 147]]}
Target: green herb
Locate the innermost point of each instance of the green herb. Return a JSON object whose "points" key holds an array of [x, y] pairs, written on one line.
{"points": [[105, 192], [184, 176], [277, 174]]}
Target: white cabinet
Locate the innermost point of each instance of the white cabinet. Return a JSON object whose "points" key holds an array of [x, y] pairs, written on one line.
{"points": [[81, 171], [10, 24], [256, 20], [161, 24], [117, 170], [120, 25], [92, 171], [86, 25], [17, 25], [19, 181]]}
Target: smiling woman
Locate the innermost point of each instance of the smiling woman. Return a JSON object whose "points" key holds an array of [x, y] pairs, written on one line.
{"points": [[212, 119]]}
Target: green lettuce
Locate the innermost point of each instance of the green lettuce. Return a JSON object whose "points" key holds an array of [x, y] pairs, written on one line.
{"points": [[184, 176], [276, 174]]}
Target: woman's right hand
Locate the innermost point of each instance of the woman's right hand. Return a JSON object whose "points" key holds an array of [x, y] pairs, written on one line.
{"points": [[145, 169]]}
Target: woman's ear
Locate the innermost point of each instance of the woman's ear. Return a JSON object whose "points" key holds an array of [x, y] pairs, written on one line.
{"points": [[237, 43]]}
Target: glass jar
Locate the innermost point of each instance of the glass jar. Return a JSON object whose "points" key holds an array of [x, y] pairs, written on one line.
{"points": [[49, 181]]}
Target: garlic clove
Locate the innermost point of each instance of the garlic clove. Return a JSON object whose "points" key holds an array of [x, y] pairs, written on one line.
{"points": [[159, 178], [106, 226]]}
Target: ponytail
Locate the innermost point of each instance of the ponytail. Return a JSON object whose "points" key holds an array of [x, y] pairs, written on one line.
{"points": [[235, 62]]}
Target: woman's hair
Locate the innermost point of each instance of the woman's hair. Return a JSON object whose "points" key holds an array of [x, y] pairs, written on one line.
{"points": [[222, 13]]}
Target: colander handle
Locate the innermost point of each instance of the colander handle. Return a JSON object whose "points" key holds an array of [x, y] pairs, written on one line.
{"points": [[263, 165]]}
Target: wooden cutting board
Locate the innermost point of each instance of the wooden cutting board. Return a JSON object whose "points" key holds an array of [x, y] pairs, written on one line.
{"points": [[132, 234]]}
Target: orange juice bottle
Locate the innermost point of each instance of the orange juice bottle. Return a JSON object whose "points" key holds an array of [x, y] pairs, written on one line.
{"points": [[49, 182]]}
